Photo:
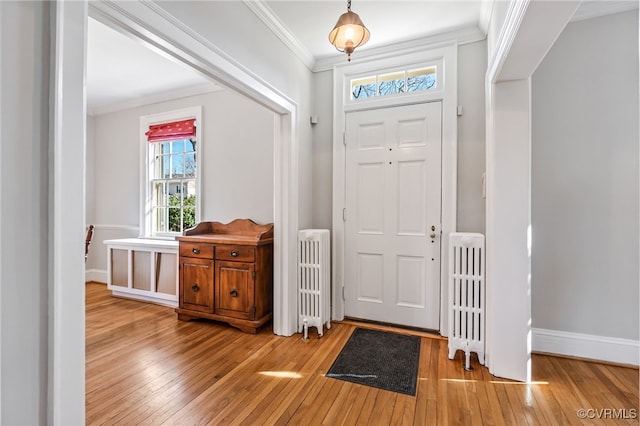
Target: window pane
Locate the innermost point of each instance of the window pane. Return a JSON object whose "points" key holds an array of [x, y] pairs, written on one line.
{"points": [[174, 189], [161, 166], [159, 194], [177, 165], [421, 79], [190, 145], [174, 219], [362, 88], [166, 167], [163, 147], [191, 187], [189, 215], [190, 165], [423, 82], [160, 219], [188, 191], [177, 146], [389, 84]]}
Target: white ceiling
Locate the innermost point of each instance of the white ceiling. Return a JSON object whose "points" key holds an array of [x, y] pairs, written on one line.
{"points": [[388, 21], [119, 77], [118, 66]]}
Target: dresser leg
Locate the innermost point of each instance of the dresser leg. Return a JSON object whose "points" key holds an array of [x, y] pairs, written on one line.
{"points": [[183, 317], [244, 328]]}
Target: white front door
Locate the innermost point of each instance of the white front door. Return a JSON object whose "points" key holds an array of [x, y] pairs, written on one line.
{"points": [[392, 229]]}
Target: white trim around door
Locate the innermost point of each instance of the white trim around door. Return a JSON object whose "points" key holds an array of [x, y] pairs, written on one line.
{"points": [[445, 57]]}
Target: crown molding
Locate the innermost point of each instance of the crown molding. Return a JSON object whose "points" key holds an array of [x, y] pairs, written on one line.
{"points": [[486, 9], [154, 99], [269, 18], [459, 36], [594, 9], [513, 19]]}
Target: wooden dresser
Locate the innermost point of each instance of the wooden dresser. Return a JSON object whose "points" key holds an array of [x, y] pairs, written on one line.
{"points": [[226, 273]]}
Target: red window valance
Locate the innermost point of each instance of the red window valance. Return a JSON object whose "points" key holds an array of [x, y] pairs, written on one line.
{"points": [[184, 129]]}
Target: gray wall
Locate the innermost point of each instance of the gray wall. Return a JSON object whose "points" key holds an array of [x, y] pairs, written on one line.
{"points": [[89, 186], [24, 185], [472, 64], [322, 149], [585, 180], [237, 164]]}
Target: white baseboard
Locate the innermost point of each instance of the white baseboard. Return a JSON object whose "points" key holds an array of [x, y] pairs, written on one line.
{"points": [[601, 348], [97, 275]]}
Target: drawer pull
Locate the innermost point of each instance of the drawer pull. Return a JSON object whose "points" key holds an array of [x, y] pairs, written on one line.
{"points": [[235, 253], [233, 293], [195, 250], [195, 287]]}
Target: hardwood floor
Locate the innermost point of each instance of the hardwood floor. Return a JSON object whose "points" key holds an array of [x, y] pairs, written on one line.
{"points": [[144, 366]]}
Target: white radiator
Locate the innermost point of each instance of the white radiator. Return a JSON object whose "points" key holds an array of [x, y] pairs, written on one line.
{"points": [[466, 295], [314, 309]]}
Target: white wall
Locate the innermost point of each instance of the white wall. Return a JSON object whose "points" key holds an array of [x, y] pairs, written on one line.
{"points": [[237, 164], [24, 184], [508, 262], [585, 180]]}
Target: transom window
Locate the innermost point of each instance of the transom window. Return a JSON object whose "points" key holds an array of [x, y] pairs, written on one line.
{"points": [[171, 151], [394, 83]]}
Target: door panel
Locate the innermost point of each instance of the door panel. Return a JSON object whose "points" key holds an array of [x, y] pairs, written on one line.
{"points": [[412, 214], [371, 212], [393, 186], [369, 277], [410, 278]]}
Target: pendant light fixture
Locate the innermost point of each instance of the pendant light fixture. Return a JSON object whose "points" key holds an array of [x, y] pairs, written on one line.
{"points": [[349, 32]]}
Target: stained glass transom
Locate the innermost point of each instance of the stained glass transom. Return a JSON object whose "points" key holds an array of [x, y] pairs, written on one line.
{"points": [[394, 83]]}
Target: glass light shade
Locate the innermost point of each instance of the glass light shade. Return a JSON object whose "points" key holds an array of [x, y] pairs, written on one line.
{"points": [[349, 33]]}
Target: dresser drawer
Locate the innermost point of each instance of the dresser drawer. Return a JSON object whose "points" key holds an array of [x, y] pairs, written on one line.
{"points": [[239, 253], [201, 250]]}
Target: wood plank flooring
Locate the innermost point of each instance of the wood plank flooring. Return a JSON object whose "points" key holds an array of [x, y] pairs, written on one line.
{"points": [[143, 366]]}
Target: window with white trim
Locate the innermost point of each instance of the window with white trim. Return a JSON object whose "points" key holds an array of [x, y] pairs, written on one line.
{"points": [[171, 146], [394, 83]]}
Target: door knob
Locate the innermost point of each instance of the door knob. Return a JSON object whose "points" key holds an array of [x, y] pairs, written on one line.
{"points": [[433, 236]]}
